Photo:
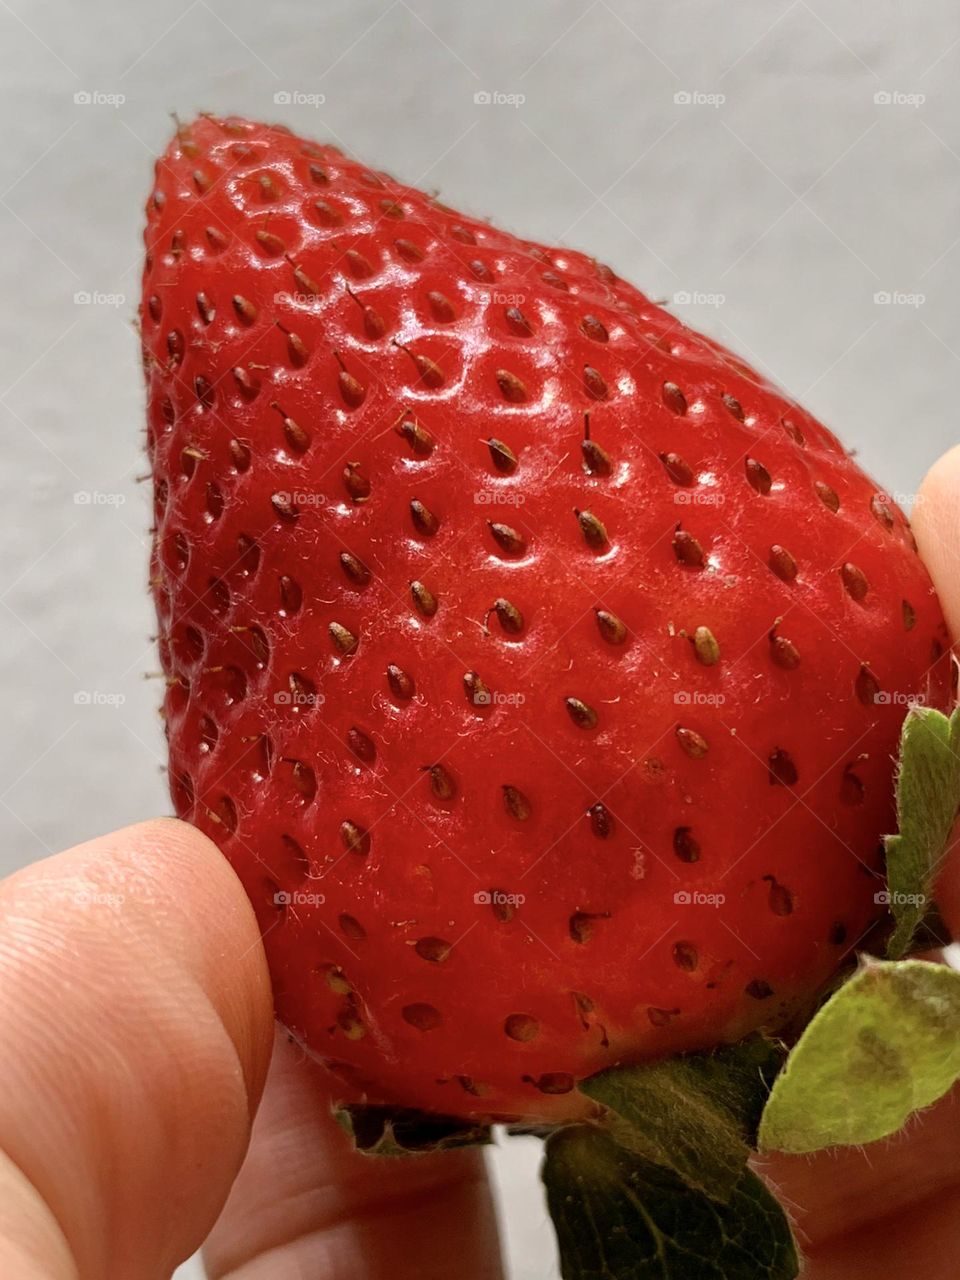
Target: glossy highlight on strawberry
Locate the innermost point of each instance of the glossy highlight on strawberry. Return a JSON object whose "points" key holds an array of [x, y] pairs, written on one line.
{"points": [[538, 666]]}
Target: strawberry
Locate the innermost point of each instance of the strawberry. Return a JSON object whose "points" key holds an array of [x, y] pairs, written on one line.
{"points": [[538, 665]]}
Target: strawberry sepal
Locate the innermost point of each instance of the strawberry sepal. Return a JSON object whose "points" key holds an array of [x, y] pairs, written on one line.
{"points": [[619, 1216], [403, 1131], [883, 1046]]}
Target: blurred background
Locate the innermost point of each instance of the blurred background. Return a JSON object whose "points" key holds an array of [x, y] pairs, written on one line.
{"points": [[785, 176]]}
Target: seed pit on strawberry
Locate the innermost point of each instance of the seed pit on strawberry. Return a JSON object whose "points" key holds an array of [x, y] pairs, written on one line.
{"points": [[435, 950], [516, 803], [782, 771], [523, 1027], [855, 582], [758, 989], [827, 496], [685, 956], [441, 308], [674, 398], [296, 855], [552, 1082], [422, 1016], [512, 388], [517, 323], [351, 927], [248, 385], [782, 563], [685, 845]]}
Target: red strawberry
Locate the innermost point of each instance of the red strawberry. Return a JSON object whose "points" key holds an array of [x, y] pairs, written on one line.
{"points": [[538, 665]]}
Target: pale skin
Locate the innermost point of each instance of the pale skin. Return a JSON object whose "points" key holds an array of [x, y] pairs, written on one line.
{"points": [[135, 1051]]}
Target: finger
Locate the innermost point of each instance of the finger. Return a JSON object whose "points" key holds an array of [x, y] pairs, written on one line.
{"points": [[135, 1029], [888, 1209], [306, 1204], [936, 523], [893, 1207]]}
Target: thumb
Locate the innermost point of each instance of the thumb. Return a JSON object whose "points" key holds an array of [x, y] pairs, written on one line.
{"points": [[936, 523], [135, 1032]]}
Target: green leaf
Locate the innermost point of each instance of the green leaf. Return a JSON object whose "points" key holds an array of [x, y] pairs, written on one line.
{"points": [[400, 1131], [886, 1044], [620, 1217], [928, 799], [696, 1114]]}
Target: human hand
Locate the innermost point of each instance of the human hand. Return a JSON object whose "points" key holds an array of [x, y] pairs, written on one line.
{"points": [[892, 1209], [135, 1037]]}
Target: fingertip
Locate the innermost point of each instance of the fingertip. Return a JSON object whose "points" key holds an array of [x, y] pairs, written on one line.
{"points": [[195, 885], [936, 524], [135, 1033]]}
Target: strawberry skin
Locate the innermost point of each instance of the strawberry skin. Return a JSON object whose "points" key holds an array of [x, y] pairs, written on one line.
{"points": [[538, 666]]}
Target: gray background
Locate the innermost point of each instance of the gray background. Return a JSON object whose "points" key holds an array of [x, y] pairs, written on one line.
{"points": [[780, 200]]}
